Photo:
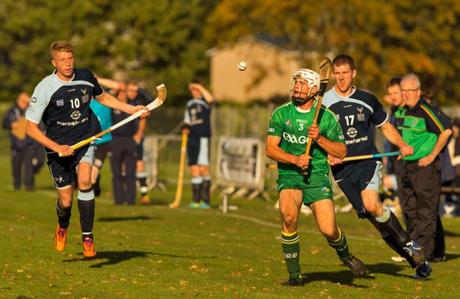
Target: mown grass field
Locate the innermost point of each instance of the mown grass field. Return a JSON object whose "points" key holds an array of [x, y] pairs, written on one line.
{"points": [[157, 252]]}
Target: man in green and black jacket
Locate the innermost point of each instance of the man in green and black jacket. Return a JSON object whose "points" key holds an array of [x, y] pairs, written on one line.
{"points": [[427, 130]]}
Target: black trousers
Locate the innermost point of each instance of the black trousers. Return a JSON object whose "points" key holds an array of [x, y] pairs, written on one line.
{"points": [[123, 162], [21, 159], [421, 188]]}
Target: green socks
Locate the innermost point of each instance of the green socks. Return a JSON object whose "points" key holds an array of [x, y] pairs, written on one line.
{"points": [[340, 245], [291, 251]]}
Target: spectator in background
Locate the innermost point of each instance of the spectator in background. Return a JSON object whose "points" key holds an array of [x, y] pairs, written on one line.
{"points": [[392, 179], [27, 156], [197, 120], [427, 130], [124, 156], [140, 96], [452, 207], [104, 116]]}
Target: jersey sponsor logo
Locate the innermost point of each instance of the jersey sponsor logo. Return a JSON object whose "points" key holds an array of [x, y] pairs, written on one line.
{"points": [[71, 90], [71, 123], [60, 103], [294, 139], [33, 99], [288, 123], [357, 140], [75, 115], [352, 132], [271, 130]]}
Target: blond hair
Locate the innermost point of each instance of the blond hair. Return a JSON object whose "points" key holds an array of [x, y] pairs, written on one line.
{"points": [[60, 46]]}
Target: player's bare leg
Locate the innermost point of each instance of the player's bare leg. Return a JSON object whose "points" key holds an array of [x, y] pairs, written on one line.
{"points": [[86, 206], [290, 202], [325, 219]]}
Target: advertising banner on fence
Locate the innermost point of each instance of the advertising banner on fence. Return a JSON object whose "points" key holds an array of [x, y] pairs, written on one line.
{"points": [[240, 163]]}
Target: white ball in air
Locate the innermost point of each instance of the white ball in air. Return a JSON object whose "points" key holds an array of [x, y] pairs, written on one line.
{"points": [[242, 66]]}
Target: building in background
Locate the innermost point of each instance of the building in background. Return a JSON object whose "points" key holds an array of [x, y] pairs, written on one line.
{"points": [[265, 76]]}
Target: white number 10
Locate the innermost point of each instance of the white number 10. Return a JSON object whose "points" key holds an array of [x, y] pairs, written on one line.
{"points": [[75, 103]]}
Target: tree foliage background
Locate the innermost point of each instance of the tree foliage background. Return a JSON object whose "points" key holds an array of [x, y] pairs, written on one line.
{"points": [[156, 41]]}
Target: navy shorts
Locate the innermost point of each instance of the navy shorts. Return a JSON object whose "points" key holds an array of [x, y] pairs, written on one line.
{"points": [[198, 150], [359, 176], [63, 169], [102, 151]]}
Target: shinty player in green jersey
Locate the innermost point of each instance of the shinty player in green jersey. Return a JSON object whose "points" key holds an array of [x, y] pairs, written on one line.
{"points": [[290, 124]]}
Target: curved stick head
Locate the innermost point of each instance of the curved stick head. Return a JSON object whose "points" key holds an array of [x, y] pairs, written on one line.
{"points": [[161, 97], [325, 71]]}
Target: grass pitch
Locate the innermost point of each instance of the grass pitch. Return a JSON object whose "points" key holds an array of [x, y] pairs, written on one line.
{"points": [[156, 252]]}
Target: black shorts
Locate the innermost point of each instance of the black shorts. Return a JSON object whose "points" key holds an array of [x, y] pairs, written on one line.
{"points": [[140, 150], [63, 169], [102, 150], [358, 176], [198, 150]]}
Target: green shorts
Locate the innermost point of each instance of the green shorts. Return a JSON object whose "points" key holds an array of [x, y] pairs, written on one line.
{"points": [[316, 188]]}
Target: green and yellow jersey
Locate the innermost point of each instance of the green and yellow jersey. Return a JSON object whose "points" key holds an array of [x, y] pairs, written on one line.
{"points": [[291, 124]]}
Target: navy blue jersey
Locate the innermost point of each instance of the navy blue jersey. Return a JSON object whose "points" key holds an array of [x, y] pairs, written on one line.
{"points": [[64, 107], [198, 117], [359, 113]]}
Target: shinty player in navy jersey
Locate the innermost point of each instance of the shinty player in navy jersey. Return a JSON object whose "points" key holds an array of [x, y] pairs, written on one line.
{"points": [[359, 112], [61, 100]]}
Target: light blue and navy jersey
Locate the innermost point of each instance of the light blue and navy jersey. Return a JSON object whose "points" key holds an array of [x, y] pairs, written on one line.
{"points": [[104, 116], [198, 117], [358, 114], [64, 107]]}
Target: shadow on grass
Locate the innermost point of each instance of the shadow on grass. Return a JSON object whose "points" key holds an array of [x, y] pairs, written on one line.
{"points": [[127, 218], [389, 269], [343, 277], [346, 278], [116, 257], [451, 234], [452, 256]]}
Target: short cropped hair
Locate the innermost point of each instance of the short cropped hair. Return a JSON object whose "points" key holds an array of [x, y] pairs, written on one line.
{"points": [[394, 81], [412, 76], [344, 59], [60, 46]]}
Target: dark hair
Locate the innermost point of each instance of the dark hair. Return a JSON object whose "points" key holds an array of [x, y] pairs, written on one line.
{"points": [[456, 122], [394, 81], [197, 81], [343, 59]]}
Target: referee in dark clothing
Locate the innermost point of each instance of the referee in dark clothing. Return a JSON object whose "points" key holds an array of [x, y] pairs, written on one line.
{"points": [[427, 130], [124, 157]]}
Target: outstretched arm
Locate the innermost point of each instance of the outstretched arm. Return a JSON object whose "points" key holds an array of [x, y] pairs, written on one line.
{"points": [[110, 101], [390, 133]]}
